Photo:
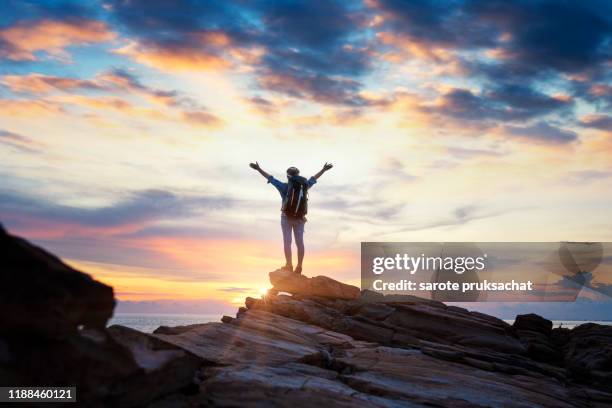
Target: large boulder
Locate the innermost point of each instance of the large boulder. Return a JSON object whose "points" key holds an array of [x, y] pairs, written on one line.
{"points": [[53, 333], [286, 281], [43, 296], [161, 368], [534, 323], [535, 333], [588, 354], [116, 367]]}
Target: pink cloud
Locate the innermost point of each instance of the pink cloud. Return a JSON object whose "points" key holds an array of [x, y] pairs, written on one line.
{"points": [[24, 39]]}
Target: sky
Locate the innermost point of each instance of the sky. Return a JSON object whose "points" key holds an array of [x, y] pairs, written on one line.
{"points": [[127, 127]]}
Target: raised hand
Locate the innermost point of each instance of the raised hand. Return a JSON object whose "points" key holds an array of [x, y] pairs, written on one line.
{"points": [[256, 166], [326, 167]]}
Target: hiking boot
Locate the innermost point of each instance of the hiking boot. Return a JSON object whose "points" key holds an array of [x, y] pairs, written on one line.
{"points": [[298, 270]]}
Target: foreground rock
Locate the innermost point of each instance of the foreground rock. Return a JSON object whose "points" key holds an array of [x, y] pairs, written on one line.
{"points": [[43, 296], [285, 281], [325, 345], [53, 334], [301, 351]]}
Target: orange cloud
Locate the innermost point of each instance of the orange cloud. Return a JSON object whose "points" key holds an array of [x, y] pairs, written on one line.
{"points": [[39, 83], [600, 90], [202, 118], [118, 106], [24, 39], [201, 51], [410, 48], [28, 108], [40, 228], [177, 107], [98, 102], [174, 59]]}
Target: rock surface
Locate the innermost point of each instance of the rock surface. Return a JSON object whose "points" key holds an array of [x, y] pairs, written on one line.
{"points": [[53, 333], [286, 281], [301, 351], [325, 345], [45, 297]]}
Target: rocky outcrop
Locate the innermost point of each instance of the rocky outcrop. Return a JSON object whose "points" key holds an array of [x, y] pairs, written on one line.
{"points": [[309, 342], [45, 297], [535, 333], [160, 369], [533, 323], [587, 354], [52, 333], [287, 281], [284, 350]]}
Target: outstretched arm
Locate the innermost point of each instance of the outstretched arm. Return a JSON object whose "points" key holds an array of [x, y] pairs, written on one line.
{"points": [[259, 169], [326, 167]]}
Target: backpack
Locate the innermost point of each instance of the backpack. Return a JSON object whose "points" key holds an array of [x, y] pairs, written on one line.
{"points": [[295, 203]]}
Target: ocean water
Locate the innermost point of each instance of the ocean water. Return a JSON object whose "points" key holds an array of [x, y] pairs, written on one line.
{"points": [[147, 322]]}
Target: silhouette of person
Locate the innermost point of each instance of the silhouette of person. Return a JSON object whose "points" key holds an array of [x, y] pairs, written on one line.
{"points": [[291, 223]]}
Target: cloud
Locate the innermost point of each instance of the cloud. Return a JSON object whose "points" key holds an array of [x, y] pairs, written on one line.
{"points": [[394, 169], [323, 51], [597, 121], [308, 50], [364, 210], [556, 35], [263, 105], [587, 176], [198, 37], [19, 142], [202, 118], [433, 23], [23, 40], [190, 110], [234, 289], [115, 82], [318, 46], [29, 108], [502, 47], [467, 153], [174, 58], [130, 213], [502, 103], [61, 10], [315, 87], [461, 215], [542, 132], [41, 84], [527, 38]]}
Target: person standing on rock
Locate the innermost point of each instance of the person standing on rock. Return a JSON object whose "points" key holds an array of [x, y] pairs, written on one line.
{"points": [[294, 194]]}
